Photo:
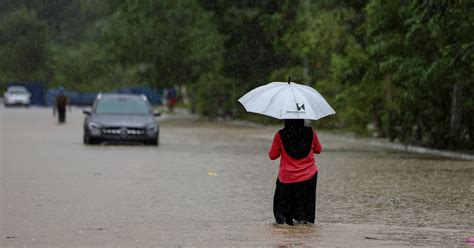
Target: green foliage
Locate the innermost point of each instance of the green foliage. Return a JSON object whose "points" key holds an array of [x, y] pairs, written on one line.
{"points": [[334, 62], [419, 49], [254, 51], [88, 67], [216, 96], [23, 46], [403, 68], [173, 42], [296, 73], [254, 31]]}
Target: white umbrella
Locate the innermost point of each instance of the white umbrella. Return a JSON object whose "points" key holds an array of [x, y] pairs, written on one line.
{"points": [[289, 100]]}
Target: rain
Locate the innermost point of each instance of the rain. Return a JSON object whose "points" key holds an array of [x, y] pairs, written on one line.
{"points": [[154, 123]]}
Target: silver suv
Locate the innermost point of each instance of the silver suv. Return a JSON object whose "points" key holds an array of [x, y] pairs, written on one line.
{"points": [[121, 117]]}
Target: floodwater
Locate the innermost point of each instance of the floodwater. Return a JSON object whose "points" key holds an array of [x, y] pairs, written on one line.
{"points": [[211, 184]]}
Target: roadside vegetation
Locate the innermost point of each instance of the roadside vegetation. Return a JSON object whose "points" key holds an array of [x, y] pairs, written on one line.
{"points": [[402, 68]]}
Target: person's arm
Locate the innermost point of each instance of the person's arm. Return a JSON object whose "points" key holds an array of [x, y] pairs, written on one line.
{"points": [[275, 150], [316, 145]]}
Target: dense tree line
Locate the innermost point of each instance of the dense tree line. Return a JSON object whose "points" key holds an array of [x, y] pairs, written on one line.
{"points": [[399, 69]]}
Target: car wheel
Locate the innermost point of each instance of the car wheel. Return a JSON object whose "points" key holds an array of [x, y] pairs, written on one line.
{"points": [[88, 140], [156, 141]]}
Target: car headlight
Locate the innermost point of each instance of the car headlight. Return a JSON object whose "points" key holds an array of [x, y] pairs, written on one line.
{"points": [[151, 129], [94, 128]]}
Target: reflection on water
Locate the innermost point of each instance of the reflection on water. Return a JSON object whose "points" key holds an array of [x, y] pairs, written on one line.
{"points": [[364, 185], [298, 229], [293, 236], [389, 190], [210, 185]]}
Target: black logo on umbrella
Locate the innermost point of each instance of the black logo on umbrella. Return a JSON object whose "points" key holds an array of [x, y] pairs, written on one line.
{"points": [[299, 108]]}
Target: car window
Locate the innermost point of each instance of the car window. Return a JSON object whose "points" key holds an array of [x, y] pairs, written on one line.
{"points": [[122, 105], [17, 92]]}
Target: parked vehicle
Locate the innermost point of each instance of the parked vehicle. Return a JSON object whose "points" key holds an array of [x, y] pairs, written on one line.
{"points": [[121, 117], [17, 95]]}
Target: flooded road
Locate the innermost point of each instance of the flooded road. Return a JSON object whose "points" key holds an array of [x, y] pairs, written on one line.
{"points": [[212, 185]]}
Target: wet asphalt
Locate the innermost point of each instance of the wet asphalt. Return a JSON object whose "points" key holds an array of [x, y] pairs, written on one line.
{"points": [[210, 184]]}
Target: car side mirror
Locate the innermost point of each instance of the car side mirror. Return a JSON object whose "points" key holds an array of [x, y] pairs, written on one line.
{"points": [[86, 112], [157, 113]]}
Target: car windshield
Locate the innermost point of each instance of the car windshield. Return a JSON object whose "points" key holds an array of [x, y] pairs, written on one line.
{"points": [[17, 92], [122, 105]]}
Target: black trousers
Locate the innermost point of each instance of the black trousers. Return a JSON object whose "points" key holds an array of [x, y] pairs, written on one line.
{"points": [[295, 201], [61, 115]]}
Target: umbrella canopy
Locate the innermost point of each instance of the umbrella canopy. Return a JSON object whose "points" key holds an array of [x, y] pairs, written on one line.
{"points": [[286, 100]]}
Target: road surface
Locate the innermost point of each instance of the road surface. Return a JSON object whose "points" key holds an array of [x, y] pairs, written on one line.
{"points": [[211, 185]]}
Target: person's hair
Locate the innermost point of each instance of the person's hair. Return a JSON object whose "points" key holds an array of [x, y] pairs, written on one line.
{"points": [[296, 138]]}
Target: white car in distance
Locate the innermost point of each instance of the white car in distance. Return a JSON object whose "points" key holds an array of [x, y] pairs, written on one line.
{"points": [[17, 95]]}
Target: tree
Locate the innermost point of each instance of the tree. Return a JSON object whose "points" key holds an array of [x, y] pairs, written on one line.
{"points": [[173, 42], [328, 43], [423, 51], [67, 20], [24, 49], [254, 52]]}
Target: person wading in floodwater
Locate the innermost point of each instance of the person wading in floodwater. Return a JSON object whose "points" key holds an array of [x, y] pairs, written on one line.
{"points": [[295, 193], [60, 105]]}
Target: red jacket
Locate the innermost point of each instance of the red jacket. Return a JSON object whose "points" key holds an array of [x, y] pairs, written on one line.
{"points": [[294, 170]]}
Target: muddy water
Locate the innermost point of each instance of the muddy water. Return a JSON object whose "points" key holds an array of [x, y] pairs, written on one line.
{"points": [[366, 185], [211, 184], [425, 200]]}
